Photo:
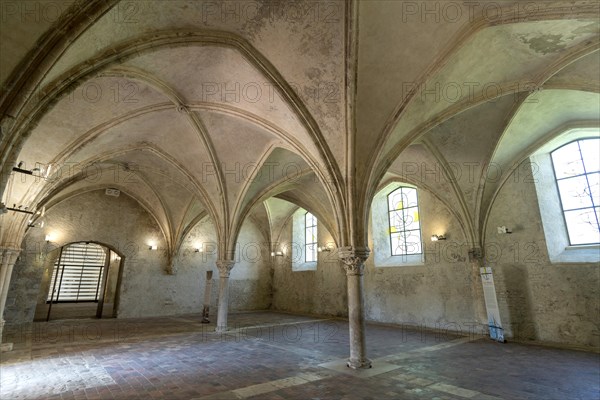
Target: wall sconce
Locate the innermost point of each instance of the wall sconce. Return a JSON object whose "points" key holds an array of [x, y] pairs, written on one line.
{"points": [[35, 225], [322, 249], [435, 238], [48, 238], [152, 246], [199, 248], [503, 230], [277, 254]]}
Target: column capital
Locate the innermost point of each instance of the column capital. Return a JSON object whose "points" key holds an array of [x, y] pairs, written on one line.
{"points": [[9, 250], [9, 255], [225, 267], [354, 259]]}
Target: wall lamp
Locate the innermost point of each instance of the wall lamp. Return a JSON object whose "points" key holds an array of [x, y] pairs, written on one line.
{"points": [[277, 254], [322, 249], [435, 238], [503, 230], [42, 172], [152, 246], [199, 248], [36, 224]]}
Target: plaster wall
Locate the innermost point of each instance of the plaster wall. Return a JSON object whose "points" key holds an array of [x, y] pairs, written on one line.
{"points": [[146, 289], [436, 293], [435, 290], [539, 300], [320, 291]]}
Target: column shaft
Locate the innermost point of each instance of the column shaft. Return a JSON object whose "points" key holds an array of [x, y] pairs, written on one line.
{"points": [[353, 260], [7, 262], [225, 267]]}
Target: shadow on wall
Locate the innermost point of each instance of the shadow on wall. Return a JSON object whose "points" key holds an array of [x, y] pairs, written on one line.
{"points": [[519, 302]]}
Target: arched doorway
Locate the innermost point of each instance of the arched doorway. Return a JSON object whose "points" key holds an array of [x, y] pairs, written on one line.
{"points": [[83, 283]]}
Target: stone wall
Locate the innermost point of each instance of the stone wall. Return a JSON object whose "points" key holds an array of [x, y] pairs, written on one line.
{"points": [[439, 293], [321, 291], [539, 300], [146, 289]]}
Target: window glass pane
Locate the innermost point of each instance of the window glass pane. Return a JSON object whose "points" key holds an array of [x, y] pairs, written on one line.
{"points": [[567, 161], [413, 242], [582, 226], [590, 149], [411, 218], [397, 244], [405, 226], [311, 253], [410, 196], [310, 238], [574, 193], [396, 200], [594, 181], [396, 221]]}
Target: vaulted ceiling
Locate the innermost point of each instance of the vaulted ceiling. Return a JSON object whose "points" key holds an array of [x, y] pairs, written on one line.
{"points": [[194, 109]]}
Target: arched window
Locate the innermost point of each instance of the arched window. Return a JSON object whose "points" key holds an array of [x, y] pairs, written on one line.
{"points": [[310, 237], [405, 227], [78, 273], [577, 172]]}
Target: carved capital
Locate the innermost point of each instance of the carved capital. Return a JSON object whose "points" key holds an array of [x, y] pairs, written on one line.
{"points": [[225, 267], [8, 256], [353, 259]]}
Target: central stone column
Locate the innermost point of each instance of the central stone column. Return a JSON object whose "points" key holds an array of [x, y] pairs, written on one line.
{"points": [[353, 260], [8, 257], [224, 267]]}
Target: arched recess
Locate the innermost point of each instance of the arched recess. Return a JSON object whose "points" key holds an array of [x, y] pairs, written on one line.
{"points": [[86, 278], [281, 210], [416, 115], [287, 175], [420, 185], [533, 124], [541, 168], [323, 157]]}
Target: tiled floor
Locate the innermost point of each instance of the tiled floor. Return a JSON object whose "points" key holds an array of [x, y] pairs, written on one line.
{"points": [[270, 355]]}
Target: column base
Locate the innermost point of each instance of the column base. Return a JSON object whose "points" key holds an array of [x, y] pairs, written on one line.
{"points": [[221, 329], [5, 347], [365, 363]]}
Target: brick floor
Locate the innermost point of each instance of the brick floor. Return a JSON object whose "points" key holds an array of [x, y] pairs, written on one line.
{"points": [[269, 355]]}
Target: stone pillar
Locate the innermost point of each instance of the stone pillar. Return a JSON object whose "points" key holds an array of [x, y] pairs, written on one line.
{"points": [[224, 267], [353, 260], [8, 257]]}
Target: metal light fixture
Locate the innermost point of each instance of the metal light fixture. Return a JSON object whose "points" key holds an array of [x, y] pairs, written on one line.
{"points": [[277, 253], [435, 238], [323, 249], [199, 248], [152, 246], [503, 230]]}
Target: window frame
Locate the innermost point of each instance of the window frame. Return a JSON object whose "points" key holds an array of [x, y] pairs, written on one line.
{"points": [[585, 174], [314, 232], [404, 230]]}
